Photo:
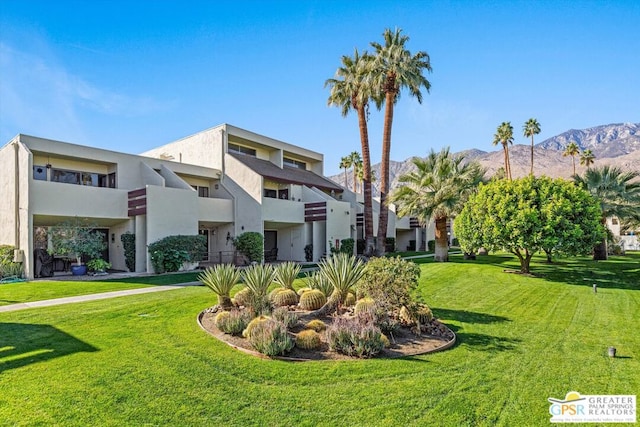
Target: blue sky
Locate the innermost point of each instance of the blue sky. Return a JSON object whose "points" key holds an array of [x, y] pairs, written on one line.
{"points": [[130, 76]]}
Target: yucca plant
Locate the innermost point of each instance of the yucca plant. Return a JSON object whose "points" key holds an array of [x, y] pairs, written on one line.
{"points": [[221, 279], [286, 273], [343, 272], [258, 278]]}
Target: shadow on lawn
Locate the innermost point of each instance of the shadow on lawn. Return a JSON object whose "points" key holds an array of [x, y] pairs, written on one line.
{"points": [[22, 344], [467, 316]]}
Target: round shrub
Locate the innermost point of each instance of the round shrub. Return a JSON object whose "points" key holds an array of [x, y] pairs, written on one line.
{"points": [[242, 298], [357, 337], [308, 340], [232, 322], [365, 305], [288, 318], [313, 299], [270, 337], [284, 297], [350, 300], [252, 325], [316, 325]]}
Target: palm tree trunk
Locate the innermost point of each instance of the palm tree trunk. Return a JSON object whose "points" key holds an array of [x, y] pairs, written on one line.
{"points": [[508, 162], [442, 242], [384, 172], [573, 157], [600, 250], [345, 177], [531, 155], [366, 182], [354, 178]]}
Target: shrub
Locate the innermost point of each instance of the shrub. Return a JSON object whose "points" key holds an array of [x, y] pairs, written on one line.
{"points": [[252, 324], [346, 246], [251, 245], [288, 318], [242, 298], [270, 337], [98, 264], [385, 341], [168, 254], [317, 325], [308, 340], [286, 273], [431, 245], [390, 244], [281, 297], [360, 245], [8, 268], [6, 254], [258, 278], [416, 314], [455, 242], [343, 272], [390, 282], [76, 238], [313, 299], [221, 279], [232, 322], [308, 253], [355, 337], [128, 240]]}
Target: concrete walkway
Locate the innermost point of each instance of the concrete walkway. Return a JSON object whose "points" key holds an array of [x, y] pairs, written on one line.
{"points": [[92, 297]]}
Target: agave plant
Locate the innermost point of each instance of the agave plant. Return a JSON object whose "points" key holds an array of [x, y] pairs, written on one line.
{"points": [[343, 272], [286, 273], [258, 278], [221, 279]]}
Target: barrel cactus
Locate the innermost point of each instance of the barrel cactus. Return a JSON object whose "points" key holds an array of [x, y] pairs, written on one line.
{"points": [[232, 322], [313, 299], [423, 314], [221, 318], [242, 297], [247, 332], [385, 341], [284, 297], [317, 325], [303, 290], [308, 340], [350, 300], [365, 305]]}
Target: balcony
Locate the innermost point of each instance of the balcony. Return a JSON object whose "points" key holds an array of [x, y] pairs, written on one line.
{"points": [[277, 210], [215, 210]]}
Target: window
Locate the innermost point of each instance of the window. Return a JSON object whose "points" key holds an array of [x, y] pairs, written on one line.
{"points": [[294, 163], [67, 177], [89, 179], [39, 173], [202, 191], [270, 193], [239, 149]]}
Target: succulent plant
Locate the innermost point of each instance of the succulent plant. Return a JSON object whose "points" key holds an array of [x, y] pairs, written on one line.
{"points": [[420, 313], [221, 318], [308, 339], [270, 337], [405, 316], [423, 314], [284, 297], [385, 341], [232, 322], [242, 297], [247, 332], [365, 305], [288, 318], [313, 299], [317, 325], [303, 290], [350, 300], [286, 273]]}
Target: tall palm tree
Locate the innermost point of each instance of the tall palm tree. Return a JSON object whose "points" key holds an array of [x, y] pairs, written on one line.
{"points": [[344, 164], [352, 90], [587, 158], [395, 69], [358, 172], [354, 159], [530, 128], [618, 193], [437, 190], [572, 150], [504, 136]]}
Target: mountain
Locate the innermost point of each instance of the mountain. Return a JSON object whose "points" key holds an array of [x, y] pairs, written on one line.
{"points": [[614, 144]]}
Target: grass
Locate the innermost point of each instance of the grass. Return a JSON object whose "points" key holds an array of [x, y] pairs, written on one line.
{"points": [[13, 293], [142, 360]]}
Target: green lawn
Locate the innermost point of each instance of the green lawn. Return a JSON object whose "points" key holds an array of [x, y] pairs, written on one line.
{"points": [[13, 293], [142, 360]]}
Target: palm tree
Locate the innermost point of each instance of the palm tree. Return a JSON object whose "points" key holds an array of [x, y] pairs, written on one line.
{"points": [[395, 68], [358, 172], [437, 190], [530, 128], [572, 150], [504, 136], [587, 158], [618, 193], [354, 159], [344, 164], [352, 89]]}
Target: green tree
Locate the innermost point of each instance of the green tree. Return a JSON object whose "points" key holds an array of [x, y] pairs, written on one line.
{"points": [[587, 158], [527, 215], [354, 160], [395, 69], [504, 136], [531, 128], [437, 190], [352, 89], [572, 150], [618, 193], [344, 164], [76, 238]]}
